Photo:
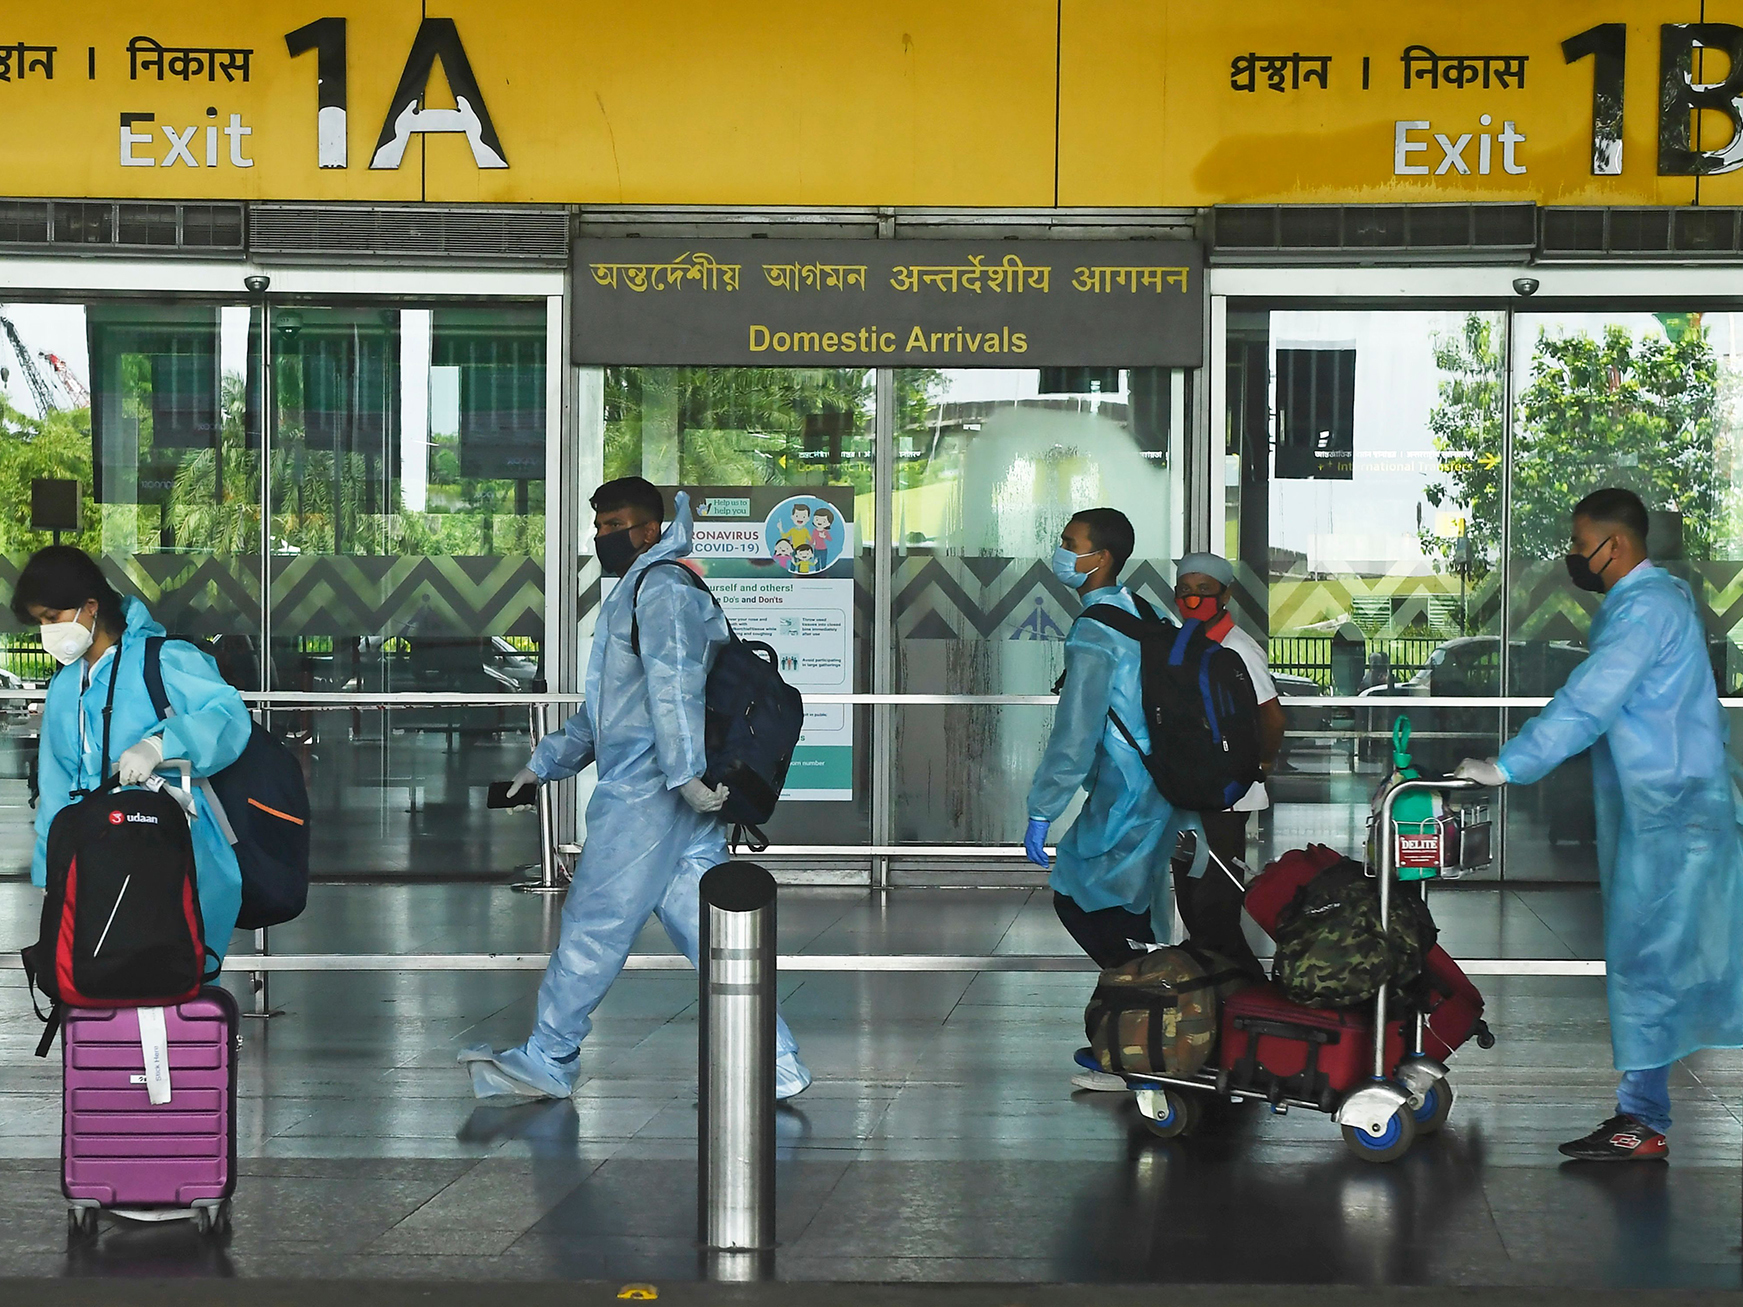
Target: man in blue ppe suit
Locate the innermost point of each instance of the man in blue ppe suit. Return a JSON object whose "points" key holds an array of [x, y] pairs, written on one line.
{"points": [[1110, 876], [99, 637], [1669, 855], [653, 825]]}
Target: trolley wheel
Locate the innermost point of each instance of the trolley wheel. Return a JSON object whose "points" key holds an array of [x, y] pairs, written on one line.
{"points": [[1181, 1115], [1390, 1145], [202, 1220], [1432, 1108], [220, 1225], [82, 1222]]}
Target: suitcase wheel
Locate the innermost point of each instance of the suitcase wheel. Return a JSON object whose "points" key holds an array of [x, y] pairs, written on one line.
{"points": [[1432, 1108], [1175, 1113], [1392, 1142], [82, 1222], [213, 1220]]}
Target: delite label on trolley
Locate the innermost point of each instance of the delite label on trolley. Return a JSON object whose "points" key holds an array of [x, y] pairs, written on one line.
{"points": [[1421, 850]]}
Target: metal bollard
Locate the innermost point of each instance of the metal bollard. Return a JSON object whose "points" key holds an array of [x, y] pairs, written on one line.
{"points": [[736, 1140]]}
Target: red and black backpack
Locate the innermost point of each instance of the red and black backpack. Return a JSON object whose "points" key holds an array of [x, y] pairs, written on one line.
{"points": [[121, 924]]}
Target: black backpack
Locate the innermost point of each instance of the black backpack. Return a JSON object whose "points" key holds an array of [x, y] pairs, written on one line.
{"points": [[262, 804], [1199, 707], [752, 721], [121, 921]]}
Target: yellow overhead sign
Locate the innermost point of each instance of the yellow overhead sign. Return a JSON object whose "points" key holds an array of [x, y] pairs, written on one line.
{"points": [[1556, 101], [986, 103]]}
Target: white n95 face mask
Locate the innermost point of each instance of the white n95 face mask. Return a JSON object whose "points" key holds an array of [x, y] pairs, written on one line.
{"points": [[66, 642]]}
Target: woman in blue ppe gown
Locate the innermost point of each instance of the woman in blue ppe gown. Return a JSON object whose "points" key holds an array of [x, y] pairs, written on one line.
{"points": [[209, 728], [1670, 859], [646, 847]]}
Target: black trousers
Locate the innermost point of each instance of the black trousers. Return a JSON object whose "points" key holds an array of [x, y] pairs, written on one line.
{"points": [[1109, 936], [1210, 906]]}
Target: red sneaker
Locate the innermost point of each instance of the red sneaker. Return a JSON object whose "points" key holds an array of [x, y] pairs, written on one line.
{"points": [[1620, 1139]]}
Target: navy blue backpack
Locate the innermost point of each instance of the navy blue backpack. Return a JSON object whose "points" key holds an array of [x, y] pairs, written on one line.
{"points": [[751, 725], [262, 804], [1200, 709]]}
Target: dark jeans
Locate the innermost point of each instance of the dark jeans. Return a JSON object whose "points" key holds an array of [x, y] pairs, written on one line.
{"points": [[1211, 905], [1108, 935]]}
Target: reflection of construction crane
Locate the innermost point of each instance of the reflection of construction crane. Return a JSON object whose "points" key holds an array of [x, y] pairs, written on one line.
{"points": [[39, 388], [70, 383]]}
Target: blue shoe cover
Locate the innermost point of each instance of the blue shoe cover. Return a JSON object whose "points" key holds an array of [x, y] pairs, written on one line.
{"points": [[791, 1077], [514, 1071]]}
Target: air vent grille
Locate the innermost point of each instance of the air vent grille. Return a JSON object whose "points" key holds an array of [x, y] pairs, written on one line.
{"points": [[1294, 230], [380, 231], [121, 227]]}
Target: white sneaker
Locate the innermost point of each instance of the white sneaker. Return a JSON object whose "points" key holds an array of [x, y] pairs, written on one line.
{"points": [[1101, 1082]]}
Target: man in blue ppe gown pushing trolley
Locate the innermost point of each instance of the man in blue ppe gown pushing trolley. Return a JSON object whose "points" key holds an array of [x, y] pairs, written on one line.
{"points": [[1670, 859], [653, 824]]}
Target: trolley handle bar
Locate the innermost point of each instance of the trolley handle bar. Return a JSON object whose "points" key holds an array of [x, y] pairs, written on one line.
{"points": [[1387, 870]]}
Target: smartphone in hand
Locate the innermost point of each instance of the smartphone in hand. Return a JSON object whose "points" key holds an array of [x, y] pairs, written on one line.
{"points": [[498, 796]]}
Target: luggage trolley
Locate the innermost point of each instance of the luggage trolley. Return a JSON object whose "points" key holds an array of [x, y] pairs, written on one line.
{"points": [[1409, 1094]]}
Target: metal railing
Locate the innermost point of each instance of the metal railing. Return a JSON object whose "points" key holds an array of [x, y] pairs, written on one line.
{"points": [[259, 965]]}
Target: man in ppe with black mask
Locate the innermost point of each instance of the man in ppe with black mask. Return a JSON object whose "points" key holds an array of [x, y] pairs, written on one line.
{"points": [[1670, 860], [653, 824]]}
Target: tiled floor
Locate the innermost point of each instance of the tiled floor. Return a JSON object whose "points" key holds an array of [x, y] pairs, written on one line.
{"points": [[941, 1141]]}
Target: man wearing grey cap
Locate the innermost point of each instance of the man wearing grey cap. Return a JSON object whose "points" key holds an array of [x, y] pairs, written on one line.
{"points": [[1210, 904]]}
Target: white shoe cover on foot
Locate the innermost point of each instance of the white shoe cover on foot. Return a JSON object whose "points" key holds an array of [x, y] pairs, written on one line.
{"points": [[514, 1071], [791, 1077]]}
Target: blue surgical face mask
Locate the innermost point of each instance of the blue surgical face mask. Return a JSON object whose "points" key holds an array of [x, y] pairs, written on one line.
{"points": [[1065, 567]]}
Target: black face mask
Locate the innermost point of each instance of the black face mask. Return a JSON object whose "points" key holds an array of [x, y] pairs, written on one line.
{"points": [[1579, 568], [615, 551]]}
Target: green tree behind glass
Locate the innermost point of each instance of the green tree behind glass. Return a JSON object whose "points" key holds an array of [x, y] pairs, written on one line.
{"points": [[1615, 409], [748, 426]]}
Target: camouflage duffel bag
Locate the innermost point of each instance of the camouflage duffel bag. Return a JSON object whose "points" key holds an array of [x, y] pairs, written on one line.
{"points": [[1158, 1014], [1331, 951]]}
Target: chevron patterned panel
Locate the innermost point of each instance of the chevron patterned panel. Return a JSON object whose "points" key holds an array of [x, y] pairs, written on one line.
{"points": [[201, 594], [348, 596], [960, 598], [191, 594]]}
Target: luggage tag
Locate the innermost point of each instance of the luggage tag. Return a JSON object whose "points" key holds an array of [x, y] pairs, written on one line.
{"points": [[154, 1043]]}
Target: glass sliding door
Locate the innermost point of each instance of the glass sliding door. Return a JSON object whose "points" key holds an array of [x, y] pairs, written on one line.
{"points": [[780, 466], [1362, 456], [151, 410], [408, 553], [989, 467], [1645, 401]]}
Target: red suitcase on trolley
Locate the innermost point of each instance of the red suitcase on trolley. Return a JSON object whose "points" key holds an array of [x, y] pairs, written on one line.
{"points": [[121, 1151], [1281, 1050]]}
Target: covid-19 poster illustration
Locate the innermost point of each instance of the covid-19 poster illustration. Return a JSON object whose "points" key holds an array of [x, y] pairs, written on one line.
{"points": [[780, 561]]}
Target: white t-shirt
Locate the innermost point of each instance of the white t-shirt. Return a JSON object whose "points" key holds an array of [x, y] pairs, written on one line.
{"points": [[1265, 690]]}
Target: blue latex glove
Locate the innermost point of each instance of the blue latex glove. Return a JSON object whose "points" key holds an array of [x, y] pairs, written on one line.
{"points": [[1035, 842]]}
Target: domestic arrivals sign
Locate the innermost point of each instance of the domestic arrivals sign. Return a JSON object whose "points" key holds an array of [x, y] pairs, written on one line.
{"points": [[888, 303]]}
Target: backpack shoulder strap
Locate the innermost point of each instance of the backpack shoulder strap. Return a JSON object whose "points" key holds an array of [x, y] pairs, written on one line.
{"points": [[1118, 619], [635, 630], [154, 675]]}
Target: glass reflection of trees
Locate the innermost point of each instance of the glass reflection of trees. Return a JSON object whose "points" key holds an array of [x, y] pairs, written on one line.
{"points": [[749, 426], [326, 499]]}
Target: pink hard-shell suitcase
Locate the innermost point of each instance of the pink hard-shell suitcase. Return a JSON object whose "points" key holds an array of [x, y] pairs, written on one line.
{"points": [[122, 1153]]}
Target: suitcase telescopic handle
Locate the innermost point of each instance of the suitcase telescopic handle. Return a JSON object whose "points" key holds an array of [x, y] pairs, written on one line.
{"points": [[185, 797]]}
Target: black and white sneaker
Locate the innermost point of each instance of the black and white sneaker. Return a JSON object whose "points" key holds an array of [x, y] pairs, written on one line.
{"points": [[1620, 1139]]}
